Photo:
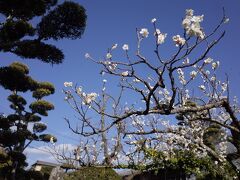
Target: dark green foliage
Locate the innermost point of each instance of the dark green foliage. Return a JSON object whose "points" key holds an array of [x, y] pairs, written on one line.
{"points": [[93, 173], [20, 67], [24, 34], [186, 162], [68, 20], [34, 175], [235, 139], [3, 156], [18, 156], [5, 123], [67, 166], [44, 174], [20, 36], [25, 175], [41, 107], [43, 89], [39, 127], [18, 102], [22, 82], [46, 171], [47, 138], [165, 174], [190, 104], [25, 9], [17, 99], [37, 49], [15, 134], [7, 138], [212, 136], [12, 31], [179, 117], [23, 134], [46, 85], [34, 118], [13, 117], [39, 93]]}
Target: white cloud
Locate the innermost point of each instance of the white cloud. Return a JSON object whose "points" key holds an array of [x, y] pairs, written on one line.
{"points": [[43, 153], [42, 150], [67, 147]]}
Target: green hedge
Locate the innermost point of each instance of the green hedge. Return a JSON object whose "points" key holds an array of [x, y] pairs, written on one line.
{"points": [[93, 173]]}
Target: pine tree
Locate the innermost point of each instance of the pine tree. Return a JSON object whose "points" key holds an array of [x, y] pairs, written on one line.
{"points": [[23, 126], [19, 35], [26, 27]]}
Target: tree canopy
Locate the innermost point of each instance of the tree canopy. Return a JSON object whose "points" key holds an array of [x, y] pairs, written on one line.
{"points": [[23, 34], [20, 128], [25, 30]]}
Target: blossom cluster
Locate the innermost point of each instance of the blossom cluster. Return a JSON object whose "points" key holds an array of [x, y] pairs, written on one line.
{"points": [[111, 65], [179, 41], [181, 76], [86, 98], [166, 95], [160, 36], [191, 24]]}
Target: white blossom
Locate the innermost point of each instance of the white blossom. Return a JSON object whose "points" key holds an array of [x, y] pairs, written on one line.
{"points": [[226, 20], [153, 20], [88, 98], [202, 87], [215, 65], [125, 47], [68, 84], [161, 38], [189, 12], [112, 66], [224, 86], [213, 78], [114, 46], [208, 60], [52, 139], [144, 32], [193, 74], [179, 41], [166, 91], [180, 71], [186, 22], [186, 61], [125, 73], [87, 55], [136, 80], [79, 90], [109, 55], [157, 32], [192, 24]]}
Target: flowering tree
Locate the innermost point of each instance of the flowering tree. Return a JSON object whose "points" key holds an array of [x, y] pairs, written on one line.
{"points": [[170, 118]]}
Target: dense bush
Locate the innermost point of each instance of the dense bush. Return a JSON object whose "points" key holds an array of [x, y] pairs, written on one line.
{"points": [[93, 173]]}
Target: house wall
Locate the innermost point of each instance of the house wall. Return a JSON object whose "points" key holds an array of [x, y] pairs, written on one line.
{"points": [[37, 168]]}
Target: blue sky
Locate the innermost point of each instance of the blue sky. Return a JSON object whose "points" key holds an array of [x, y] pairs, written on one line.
{"points": [[111, 22]]}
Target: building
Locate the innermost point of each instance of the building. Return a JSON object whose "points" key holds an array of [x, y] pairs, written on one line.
{"points": [[39, 165]]}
